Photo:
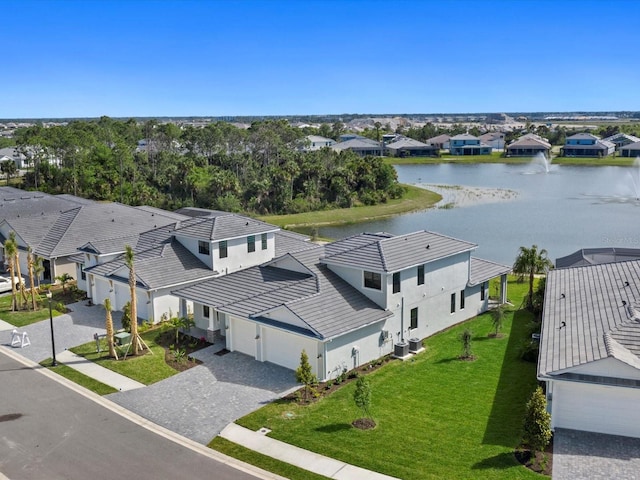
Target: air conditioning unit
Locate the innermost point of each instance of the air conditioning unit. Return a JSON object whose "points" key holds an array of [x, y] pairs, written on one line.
{"points": [[415, 345], [401, 350]]}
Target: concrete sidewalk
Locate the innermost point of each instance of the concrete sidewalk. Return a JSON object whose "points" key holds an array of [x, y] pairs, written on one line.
{"points": [[329, 467], [95, 371]]}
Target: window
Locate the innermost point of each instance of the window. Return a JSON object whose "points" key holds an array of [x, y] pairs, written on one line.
{"points": [[396, 282], [420, 274], [251, 243], [414, 318], [482, 292], [203, 247], [461, 299], [453, 303], [222, 249], [83, 275], [373, 280], [205, 311], [264, 241]]}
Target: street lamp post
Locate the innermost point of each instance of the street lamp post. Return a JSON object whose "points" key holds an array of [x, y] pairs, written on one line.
{"points": [[53, 342]]}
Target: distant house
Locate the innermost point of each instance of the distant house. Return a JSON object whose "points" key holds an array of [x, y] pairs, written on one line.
{"points": [[494, 139], [408, 147], [361, 146], [465, 144], [586, 145], [315, 142], [348, 302], [621, 140], [13, 155], [529, 145], [441, 142], [631, 150], [590, 348]]}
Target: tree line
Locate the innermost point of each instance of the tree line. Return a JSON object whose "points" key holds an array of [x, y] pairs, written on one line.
{"points": [[261, 169]]}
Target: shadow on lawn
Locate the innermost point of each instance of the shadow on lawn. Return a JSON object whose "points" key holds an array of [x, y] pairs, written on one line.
{"points": [[500, 461], [333, 428], [517, 379]]}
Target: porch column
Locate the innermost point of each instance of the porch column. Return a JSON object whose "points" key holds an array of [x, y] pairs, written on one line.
{"points": [[503, 289]]}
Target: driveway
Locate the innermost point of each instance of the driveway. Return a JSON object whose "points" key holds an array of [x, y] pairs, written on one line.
{"points": [[585, 455], [197, 403], [201, 401], [70, 330]]}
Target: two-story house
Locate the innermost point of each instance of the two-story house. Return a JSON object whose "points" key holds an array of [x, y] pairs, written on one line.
{"points": [[183, 253], [345, 303], [466, 144], [586, 145]]}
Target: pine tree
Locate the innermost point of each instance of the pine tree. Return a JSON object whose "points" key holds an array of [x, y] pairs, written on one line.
{"points": [[304, 374], [362, 395]]}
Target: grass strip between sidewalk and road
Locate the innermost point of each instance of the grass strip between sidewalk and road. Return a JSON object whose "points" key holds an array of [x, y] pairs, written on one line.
{"points": [[80, 378]]}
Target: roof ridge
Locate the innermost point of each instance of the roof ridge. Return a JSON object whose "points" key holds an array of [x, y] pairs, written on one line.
{"points": [[63, 215]]}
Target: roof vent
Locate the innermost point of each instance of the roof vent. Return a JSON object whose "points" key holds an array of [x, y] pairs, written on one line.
{"points": [[626, 284], [428, 246]]}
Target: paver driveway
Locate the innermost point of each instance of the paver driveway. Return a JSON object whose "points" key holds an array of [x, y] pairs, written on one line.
{"points": [[201, 401], [585, 455]]}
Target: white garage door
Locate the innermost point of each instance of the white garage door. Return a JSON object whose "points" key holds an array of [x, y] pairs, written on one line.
{"points": [[594, 408], [243, 337], [284, 349]]}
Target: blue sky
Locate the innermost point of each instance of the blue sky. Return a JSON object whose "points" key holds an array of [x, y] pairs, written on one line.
{"points": [[285, 57]]}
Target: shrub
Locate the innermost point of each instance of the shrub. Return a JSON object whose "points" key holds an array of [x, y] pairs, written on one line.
{"points": [[537, 422]]}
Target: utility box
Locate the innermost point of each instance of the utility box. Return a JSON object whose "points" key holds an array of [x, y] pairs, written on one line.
{"points": [[122, 338]]}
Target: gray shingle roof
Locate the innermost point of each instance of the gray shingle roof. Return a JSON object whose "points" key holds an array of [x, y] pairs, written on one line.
{"points": [[464, 136], [593, 256], [393, 254], [321, 300], [530, 141], [16, 203], [161, 266], [583, 306], [99, 221], [582, 136], [357, 144], [408, 143], [222, 227], [484, 270], [631, 146], [289, 242]]}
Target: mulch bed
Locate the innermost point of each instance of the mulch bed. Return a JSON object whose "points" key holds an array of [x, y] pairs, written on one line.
{"points": [[536, 461], [167, 340]]}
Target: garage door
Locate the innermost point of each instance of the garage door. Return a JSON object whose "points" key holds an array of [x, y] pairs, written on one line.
{"points": [[243, 337], [284, 349], [594, 408]]}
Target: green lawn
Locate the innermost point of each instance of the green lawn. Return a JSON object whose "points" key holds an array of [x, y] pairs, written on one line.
{"points": [[414, 199], [438, 416], [495, 157], [26, 317], [594, 162], [79, 378], [145, 369]]}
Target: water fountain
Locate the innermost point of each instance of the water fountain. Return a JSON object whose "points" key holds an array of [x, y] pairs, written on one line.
{"points": [[541, 160], [634, 175]]}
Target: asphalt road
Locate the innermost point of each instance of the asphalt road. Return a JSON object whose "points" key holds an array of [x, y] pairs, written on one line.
{"points": [[50, 432]]}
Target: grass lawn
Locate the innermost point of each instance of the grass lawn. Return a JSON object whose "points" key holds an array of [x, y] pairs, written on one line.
{"points": [[145, 368], [495, 157], [414, 199], [26, 317], [437, 416], [594, 161], [79, 378]]}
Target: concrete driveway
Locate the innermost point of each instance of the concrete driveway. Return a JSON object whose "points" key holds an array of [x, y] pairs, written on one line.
{"points": [[201, 401], [585, 455]]}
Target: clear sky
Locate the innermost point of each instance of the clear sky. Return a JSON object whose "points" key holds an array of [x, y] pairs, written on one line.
{"points": [[126, 58]]}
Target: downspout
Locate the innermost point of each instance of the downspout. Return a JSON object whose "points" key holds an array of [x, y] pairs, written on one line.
{"points": [[402, 319]]}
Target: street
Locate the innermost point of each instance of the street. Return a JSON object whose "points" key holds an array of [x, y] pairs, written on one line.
{"points": [[49, 432]]}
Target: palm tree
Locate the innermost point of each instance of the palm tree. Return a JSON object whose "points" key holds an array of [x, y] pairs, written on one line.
{"points": [[531, 261], [38, 269], [30, 263], [10, 248], [64, 279], [129, 260], [16, 266], [109, 327]]}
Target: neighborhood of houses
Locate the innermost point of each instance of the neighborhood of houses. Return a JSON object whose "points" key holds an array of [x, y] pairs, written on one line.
{"points": [[271, 293], [397, 145], [528, 145]]}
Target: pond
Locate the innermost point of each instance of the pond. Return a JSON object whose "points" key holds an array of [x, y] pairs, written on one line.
{"points": [[508, 206]]}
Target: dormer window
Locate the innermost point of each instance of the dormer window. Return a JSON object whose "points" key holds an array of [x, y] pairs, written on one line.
{"points": [[251, 243], [222, 249], [203, 248], [373, 280]]}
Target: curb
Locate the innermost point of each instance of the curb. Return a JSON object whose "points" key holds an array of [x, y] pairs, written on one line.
{"points": [[143, 422]]}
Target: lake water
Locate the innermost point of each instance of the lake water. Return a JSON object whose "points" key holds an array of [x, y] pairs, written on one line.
{"points": [[564, 210]]}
